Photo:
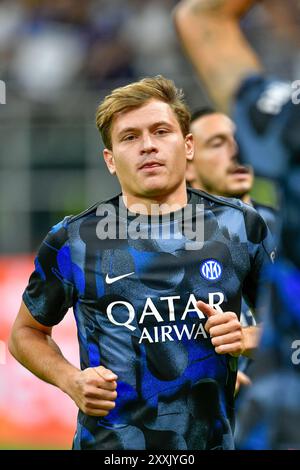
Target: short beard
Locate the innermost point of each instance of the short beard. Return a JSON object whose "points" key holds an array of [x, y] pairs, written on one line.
{"points": [[238, 194]]}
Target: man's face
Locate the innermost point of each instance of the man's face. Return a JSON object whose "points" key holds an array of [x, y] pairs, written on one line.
{"points": [[149, 152], [215, 165]]}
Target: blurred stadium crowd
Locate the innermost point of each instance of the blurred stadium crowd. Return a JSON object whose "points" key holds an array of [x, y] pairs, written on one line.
{"points": [[58, 60], [90, 44]]}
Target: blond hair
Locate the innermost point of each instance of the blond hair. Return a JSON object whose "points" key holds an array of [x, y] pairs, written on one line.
{"points": [[136, 95]]}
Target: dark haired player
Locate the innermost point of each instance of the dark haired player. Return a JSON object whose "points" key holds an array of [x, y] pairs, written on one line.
{"points": [[216, 169]]}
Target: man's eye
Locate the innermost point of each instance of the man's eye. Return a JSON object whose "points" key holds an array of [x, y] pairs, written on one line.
{"points": [[217, 143], [129, 137], [161, 131]]}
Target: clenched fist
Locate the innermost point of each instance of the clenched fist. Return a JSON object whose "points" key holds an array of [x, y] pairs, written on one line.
{"points": [[94, 390]]}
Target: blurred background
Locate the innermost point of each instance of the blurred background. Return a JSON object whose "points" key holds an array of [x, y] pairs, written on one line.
{"points": [[58, 59]]}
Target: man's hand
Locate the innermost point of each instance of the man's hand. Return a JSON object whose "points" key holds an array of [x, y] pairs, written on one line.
{"points": [[225, 330], [242, 380], [94, 390]]}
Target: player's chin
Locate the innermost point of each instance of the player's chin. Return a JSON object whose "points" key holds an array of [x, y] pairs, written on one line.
{"points": [[241, 183], [239, 191], [155, 188]]}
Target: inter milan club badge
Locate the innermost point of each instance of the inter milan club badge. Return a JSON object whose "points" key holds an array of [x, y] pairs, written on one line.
{"points": [[211, 270]]}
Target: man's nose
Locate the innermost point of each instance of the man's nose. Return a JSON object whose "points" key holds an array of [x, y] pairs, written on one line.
{"points": [[234, 150], [148, 145]]}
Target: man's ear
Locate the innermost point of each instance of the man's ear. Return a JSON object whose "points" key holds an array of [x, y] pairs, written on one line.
{"points": [[189, 147], [109, 160]]}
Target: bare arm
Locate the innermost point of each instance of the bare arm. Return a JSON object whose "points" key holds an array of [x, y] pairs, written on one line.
{"points": [[93, 389], [32, 345], [210, 34]]}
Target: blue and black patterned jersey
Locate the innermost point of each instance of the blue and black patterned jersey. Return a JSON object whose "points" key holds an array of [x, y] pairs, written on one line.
{"points": [[265, 423], [134, 300], [268, 122], [271, 218]]}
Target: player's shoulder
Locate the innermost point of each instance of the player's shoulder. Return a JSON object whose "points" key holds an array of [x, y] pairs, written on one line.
{"points": [[200, 196], [69, 226], [265, 209], [254, 223], [211, 200], [91, 211], [269, 214]]}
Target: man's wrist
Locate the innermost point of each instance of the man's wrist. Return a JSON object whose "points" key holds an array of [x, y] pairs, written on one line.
{"points": [[67, 377]]}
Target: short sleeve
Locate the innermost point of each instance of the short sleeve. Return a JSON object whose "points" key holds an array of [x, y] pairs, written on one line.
{"points": [[261, 249], [49, 293]]}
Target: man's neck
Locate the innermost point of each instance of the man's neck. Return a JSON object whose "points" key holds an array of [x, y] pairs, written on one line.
{"points": [[247, 199], [156, 205]]}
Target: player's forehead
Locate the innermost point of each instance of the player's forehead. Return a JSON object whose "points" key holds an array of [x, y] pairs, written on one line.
{"points": [[152, 113], [206, 127]]}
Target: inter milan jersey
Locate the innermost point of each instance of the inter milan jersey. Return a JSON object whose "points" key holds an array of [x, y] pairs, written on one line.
{"points": [[268, 122], [267, 114], [271, 218], [134, 298]]}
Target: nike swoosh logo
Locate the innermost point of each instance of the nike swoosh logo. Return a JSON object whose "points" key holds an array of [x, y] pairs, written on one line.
{"points": [[111, 280]]}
